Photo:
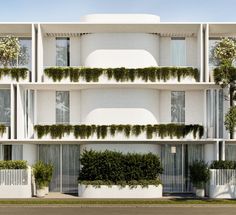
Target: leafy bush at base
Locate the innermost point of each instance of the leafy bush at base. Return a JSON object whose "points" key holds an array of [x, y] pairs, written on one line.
{"points": [[17, 164], [223, 165], [110, 167]]}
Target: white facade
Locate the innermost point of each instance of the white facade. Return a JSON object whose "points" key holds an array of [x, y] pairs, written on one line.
{"points": [[114, 41]]}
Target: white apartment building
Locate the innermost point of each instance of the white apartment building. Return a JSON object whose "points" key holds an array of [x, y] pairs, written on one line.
{"points": [[109, 42]]}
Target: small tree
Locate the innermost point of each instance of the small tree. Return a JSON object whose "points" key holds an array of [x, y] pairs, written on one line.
{"points": [[224, 75], [9, 50], [225, 51]]}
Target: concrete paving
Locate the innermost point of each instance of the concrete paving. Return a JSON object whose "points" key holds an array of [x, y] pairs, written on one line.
{"points": [[118, 210]]}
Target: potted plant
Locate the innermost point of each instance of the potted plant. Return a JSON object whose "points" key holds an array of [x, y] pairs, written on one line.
{"points": [[47, 177], [199, 176], [42, 175]]}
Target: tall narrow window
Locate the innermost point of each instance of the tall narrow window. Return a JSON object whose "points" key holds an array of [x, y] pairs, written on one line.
{"points": [[178, 51], [178, 106], [213, 62], [63, 51], [24, 59], [5, 109], [62, 107]]}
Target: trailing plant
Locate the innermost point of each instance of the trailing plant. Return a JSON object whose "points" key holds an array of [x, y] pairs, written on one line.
{"points": [[152, 74], [2, 129], [223, 164], [116, 168], [199, 173], [42, 174], [101, 131], [14, 73], [10, 164]]}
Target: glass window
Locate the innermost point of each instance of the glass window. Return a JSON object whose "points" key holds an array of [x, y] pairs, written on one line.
{"points": [[63, 51], [5, 109], [24, 59], [62, 107], [213, 62], [178, 51], [178, 106]]}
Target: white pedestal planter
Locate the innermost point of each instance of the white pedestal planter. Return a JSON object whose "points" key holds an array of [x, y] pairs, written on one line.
{"points": [[200, 192], [40, 192], [115, 191]]}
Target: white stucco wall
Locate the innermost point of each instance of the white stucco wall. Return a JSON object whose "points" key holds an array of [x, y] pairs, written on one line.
{"points": [[30, 153], [132, 50], [119, 106], [49, 51], [46, 107], [191, 52], [194, 107]]}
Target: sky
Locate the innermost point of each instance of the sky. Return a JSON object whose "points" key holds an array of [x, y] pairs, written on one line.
{"points": [[72, 10]]}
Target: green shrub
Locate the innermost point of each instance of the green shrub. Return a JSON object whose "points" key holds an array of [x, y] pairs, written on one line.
{"points": [[115, 168], [223, 164], [86, 131], [42, 174], [14, 73], [10, 164], [122, 74], [199, 173]]}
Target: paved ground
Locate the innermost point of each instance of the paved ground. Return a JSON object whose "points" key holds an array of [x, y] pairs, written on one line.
{"points": [[118, 210]]}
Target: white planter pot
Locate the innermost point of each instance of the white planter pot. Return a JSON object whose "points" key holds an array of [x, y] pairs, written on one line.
{"points": [[40, 192], [115, 191], [200, 192], [46, 190]]}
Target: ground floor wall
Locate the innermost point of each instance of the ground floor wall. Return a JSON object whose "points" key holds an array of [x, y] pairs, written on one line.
{"points": [[175, 158]]}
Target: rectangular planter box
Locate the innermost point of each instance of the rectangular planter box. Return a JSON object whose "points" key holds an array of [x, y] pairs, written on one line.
{"points": [[223, 191], [115, 191], [6, 134]]}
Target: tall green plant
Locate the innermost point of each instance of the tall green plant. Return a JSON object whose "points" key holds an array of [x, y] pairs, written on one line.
{"points": [[225, 53], [199, 173]]}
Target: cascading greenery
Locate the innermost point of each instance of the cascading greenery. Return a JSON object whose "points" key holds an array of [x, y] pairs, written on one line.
{"points": [[122, 74], [101, 131], [14, 73], [2, 129]]}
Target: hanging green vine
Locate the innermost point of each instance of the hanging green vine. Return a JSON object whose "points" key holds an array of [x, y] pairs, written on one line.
{"points": [[101, 131], [122, 74], [14, 73], [2, 129]]}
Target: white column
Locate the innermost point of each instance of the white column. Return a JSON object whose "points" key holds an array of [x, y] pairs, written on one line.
{"points": [[40, 53], [206, 52], [33, 52]]}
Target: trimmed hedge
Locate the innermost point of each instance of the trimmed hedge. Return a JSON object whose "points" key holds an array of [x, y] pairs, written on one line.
{"points": [[223, 164], [17, 164], [2, 129], [86, 131], [14, 73], [122, 74], [116, 168]]}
